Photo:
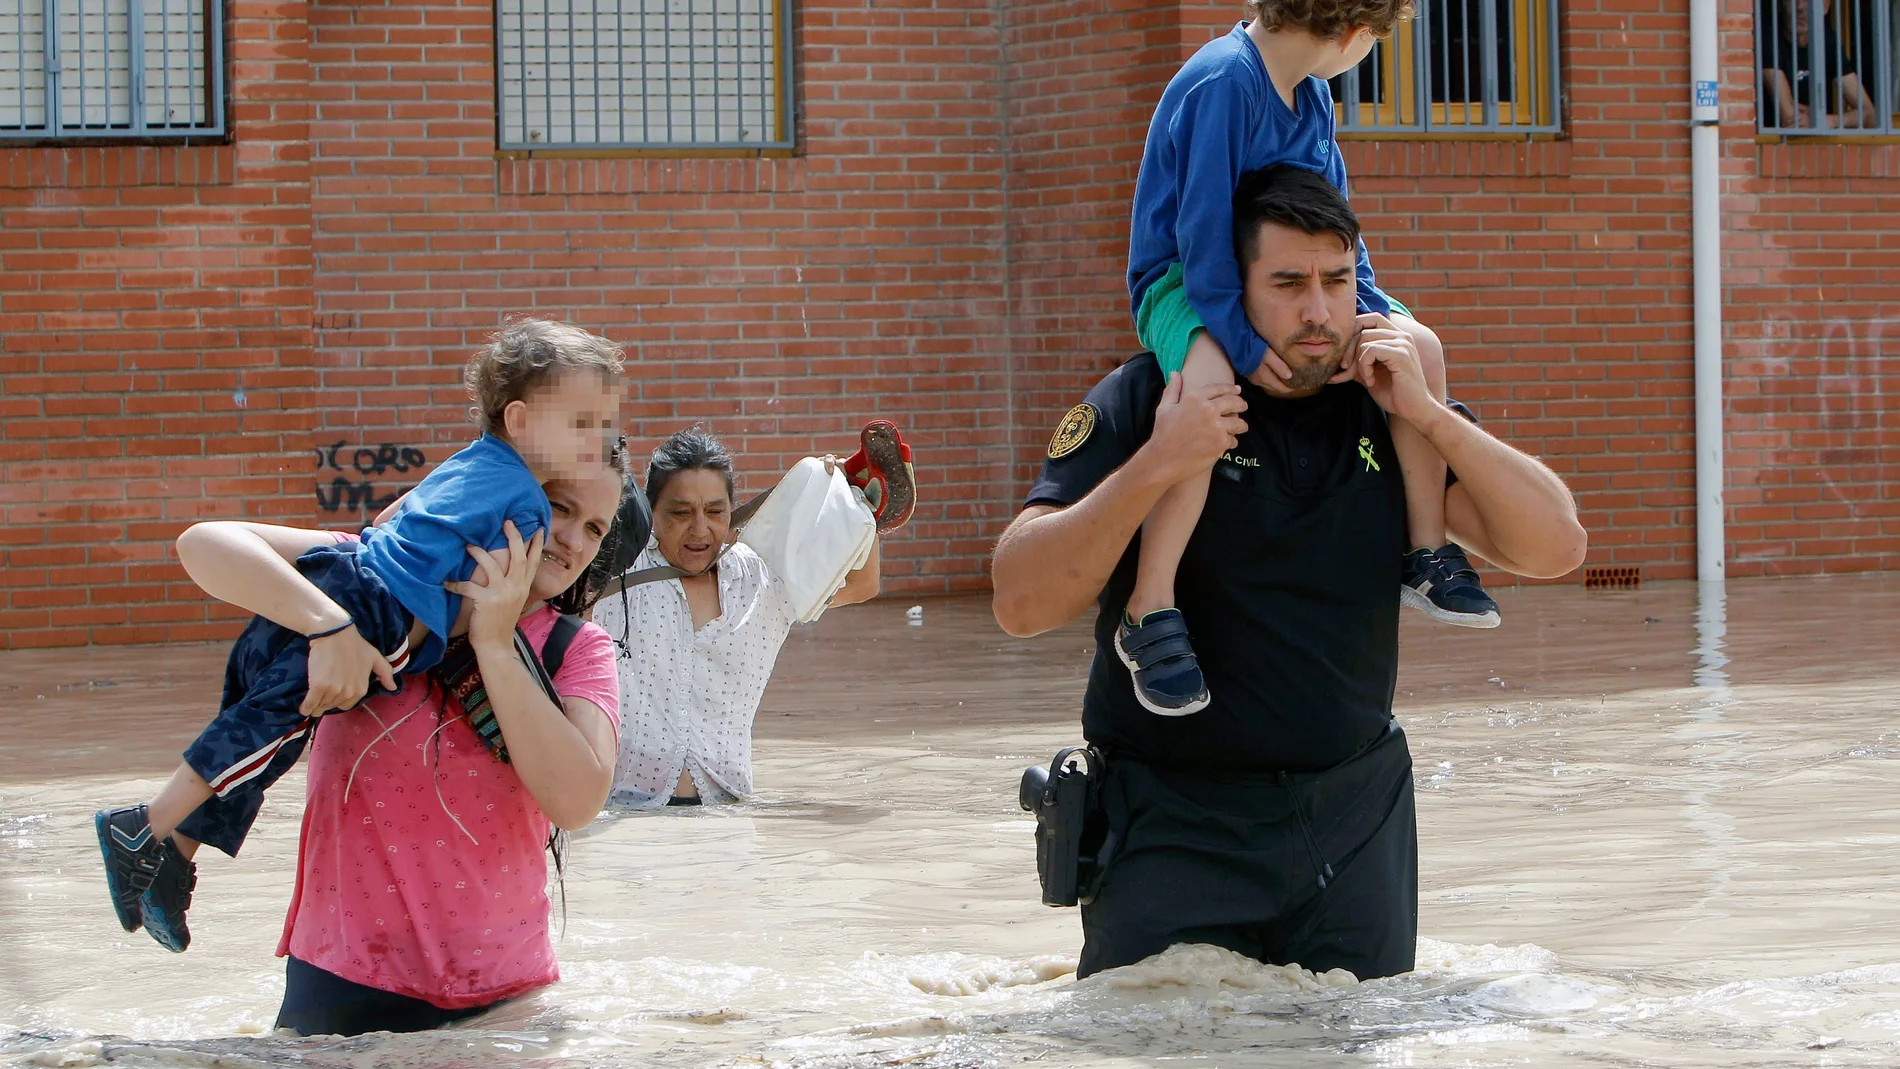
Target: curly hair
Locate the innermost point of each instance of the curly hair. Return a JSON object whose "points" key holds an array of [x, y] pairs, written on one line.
{"points": [[1330, 20], [522, 356]]}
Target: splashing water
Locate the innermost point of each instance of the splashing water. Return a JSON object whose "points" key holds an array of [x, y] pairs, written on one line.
{"points": [[1609, 874]]}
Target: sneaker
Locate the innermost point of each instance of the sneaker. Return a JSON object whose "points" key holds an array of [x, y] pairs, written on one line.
{"points": [[882, 470], [1168, 680], [132, 855], [1444, 586], [166, 900]]}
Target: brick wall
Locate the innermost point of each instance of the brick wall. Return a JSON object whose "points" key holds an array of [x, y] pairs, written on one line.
{"points": [[1812, 318], [1558, 274], [1082, 82], [274, 328], [780, 302], [155, 356]]}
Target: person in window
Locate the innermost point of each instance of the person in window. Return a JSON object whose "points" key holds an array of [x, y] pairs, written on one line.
{"points": [[1788, 78]]}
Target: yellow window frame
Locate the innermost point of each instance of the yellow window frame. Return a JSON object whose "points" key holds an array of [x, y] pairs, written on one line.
{"points": [[1398, 70]]}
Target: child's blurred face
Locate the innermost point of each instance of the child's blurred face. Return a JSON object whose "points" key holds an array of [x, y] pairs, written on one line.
{"points": [[1353, 48], [565, 429]]}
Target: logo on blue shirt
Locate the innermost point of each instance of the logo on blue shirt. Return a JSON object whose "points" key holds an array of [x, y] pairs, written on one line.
{"points": [[1325, 146]]}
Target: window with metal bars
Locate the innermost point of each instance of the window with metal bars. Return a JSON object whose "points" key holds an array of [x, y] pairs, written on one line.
{"points": [[1827, 67], [1467, 67], [92, 70], [672, 75]]}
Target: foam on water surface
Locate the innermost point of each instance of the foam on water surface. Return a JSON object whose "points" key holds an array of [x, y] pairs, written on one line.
{"points": [[1617, 868]]}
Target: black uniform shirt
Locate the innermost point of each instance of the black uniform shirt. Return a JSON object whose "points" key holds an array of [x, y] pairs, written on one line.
{"points": [[1289, 585]]}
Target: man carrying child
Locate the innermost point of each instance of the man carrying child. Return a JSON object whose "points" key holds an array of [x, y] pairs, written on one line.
{"points": [[1248, 100]]}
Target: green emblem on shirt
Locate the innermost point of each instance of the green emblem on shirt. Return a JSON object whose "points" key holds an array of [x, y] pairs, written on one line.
{"points": [[1365, 454]]}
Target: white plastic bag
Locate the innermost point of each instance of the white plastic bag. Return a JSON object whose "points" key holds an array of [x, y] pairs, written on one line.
{"points": [[812, 532]]}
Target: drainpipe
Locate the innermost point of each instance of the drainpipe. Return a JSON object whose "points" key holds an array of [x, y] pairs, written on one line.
{"points": [[1706, 190]]}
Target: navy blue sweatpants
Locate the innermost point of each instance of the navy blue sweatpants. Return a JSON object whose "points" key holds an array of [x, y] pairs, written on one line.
{"points": [[260, 732]]}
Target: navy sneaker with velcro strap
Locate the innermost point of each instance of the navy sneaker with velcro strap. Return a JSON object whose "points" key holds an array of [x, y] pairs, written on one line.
{"points": [[164, 903], [1168, 679], [1443, 585]]}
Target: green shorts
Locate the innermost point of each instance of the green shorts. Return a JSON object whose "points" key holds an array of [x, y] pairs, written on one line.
{"points": [[1166, 323]]}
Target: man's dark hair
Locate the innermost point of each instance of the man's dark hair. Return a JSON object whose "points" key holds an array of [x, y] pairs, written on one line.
{"points": [[1292, 197], [689, 450]]}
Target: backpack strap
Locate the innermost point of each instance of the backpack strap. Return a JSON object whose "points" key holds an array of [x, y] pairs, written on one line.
{"points": [[660, 573], [554, 653]]}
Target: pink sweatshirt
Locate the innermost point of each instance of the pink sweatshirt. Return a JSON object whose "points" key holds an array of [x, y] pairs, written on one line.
{"points": [[422, 868]]}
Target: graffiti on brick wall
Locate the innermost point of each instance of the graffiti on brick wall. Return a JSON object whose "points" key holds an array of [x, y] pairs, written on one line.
{"points": [[1830, 428], [366, 479]]}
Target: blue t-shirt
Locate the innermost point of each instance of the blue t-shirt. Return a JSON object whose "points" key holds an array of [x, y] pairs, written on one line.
{"points": [[462, 503], [1219, 118]]}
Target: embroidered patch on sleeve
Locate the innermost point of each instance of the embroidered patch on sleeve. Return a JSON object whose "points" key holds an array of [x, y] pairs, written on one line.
{"points": [[1074, 429]]}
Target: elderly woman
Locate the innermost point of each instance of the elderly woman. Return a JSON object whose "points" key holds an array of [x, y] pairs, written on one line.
{"points": [[422, 892], [696, 652]]}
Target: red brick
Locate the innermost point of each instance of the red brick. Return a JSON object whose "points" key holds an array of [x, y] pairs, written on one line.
{"points": [[947, 249]]}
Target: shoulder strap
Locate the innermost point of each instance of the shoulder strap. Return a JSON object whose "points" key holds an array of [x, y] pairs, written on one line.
{"points": [[554, 653], [660, 573], [657, 574]]}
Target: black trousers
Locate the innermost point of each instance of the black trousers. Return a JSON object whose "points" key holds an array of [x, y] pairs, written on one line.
{"points": [[1315, 869], [321, 1003]]}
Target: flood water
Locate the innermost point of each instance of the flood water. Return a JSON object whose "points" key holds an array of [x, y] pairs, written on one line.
{"points": [[1657, 827]]}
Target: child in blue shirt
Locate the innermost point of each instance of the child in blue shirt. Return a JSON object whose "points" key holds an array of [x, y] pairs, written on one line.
{"points": [[547, 403], [1251, 99]]}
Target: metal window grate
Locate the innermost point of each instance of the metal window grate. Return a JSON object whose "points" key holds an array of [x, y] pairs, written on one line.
{"points": [[643, 74], [1462, 66], [1851, 43], [97, 69]]}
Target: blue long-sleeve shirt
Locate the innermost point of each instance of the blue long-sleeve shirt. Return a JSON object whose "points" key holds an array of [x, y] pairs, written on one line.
{"points": [[1220, 118], [463, 502]]}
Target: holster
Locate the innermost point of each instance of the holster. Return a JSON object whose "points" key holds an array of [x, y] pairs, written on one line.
{"points": [[1074, 844]]}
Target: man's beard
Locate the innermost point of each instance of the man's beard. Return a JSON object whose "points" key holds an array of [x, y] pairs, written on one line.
{"points": [[1311, 372]]}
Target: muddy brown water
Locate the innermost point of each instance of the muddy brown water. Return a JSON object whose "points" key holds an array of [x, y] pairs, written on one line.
{"points": [[1658, 827]]}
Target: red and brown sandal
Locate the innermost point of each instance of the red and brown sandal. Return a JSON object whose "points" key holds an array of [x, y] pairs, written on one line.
{"points": [[882, 469]]}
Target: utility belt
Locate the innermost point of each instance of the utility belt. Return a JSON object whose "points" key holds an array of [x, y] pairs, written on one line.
{"points": [[1074, 844]]}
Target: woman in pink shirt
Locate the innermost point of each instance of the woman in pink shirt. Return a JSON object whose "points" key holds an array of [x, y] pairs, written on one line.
{"points": [[422, 872]]}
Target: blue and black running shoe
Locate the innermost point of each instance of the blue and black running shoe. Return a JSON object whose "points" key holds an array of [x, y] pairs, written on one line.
{"points": [[166, 900], [132, 855]]}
